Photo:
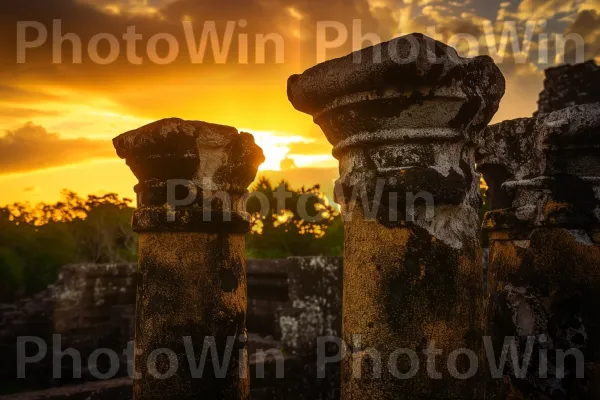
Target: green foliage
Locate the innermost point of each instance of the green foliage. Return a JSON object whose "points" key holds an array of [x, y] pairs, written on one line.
{"points": [[35, 242], [11, 272], [292, 222]]}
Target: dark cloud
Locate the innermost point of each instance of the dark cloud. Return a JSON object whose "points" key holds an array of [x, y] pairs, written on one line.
{"points": [[131, 86], [32, 147], [85, 20], [75, 17], [449, 25], [587, 25]]}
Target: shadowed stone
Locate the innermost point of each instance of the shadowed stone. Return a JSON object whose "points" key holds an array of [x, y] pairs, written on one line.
{"points": [[192, 282], [544, 169], [570, 85], [208, 158], [402, 126], [315, 288], [544, 271]]}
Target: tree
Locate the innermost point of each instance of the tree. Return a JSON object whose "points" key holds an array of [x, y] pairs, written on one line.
{"points": [[35, 242], [303, 224], [11, 273]]}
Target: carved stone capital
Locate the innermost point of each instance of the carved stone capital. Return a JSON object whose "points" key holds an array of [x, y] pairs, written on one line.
{"points": [[176, 160], [403, 115]]}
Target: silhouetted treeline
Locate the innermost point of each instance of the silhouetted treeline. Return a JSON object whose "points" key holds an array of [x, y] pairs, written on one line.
{"points": [[36, 241]]}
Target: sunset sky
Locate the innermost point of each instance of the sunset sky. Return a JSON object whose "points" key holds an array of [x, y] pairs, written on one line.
{"points": [[58, 116]]}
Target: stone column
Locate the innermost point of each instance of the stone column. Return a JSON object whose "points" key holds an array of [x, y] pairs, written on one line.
{"points": [[569, 85], [544, 270], [401, 117], [192, 288]]}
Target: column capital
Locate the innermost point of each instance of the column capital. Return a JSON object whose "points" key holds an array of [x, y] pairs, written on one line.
{"points": [[403, 113], [543, 171], [195, 160], [410, 88]]}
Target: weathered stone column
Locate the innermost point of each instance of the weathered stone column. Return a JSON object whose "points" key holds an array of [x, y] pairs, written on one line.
{"points": [[192, 264], [544, 271], [401, 116]]}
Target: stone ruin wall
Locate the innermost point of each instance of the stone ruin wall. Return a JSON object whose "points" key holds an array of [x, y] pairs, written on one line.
{"points": [[93, 306], [544, 195], [569, 85]]}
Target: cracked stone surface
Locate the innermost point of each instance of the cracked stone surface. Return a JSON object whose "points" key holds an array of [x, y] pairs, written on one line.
{"points": [[193, 155], [315, 288], [407, 126], [544, 271], [403, 127], [546, 169], [570, 85]]}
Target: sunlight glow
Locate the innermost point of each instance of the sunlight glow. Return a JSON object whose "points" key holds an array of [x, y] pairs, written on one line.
{"points": [[314, 160], [295, 13], [97, 119], [276, 147]]}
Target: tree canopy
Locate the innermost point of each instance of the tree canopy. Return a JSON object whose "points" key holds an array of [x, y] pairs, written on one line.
{"points": [[302, 223], [36, 241]]}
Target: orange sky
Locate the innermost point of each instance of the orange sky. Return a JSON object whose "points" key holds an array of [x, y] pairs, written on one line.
{"points": [[57, 119]]}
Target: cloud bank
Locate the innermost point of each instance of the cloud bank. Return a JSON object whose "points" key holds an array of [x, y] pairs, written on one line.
{"points": [[32, 147]]}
